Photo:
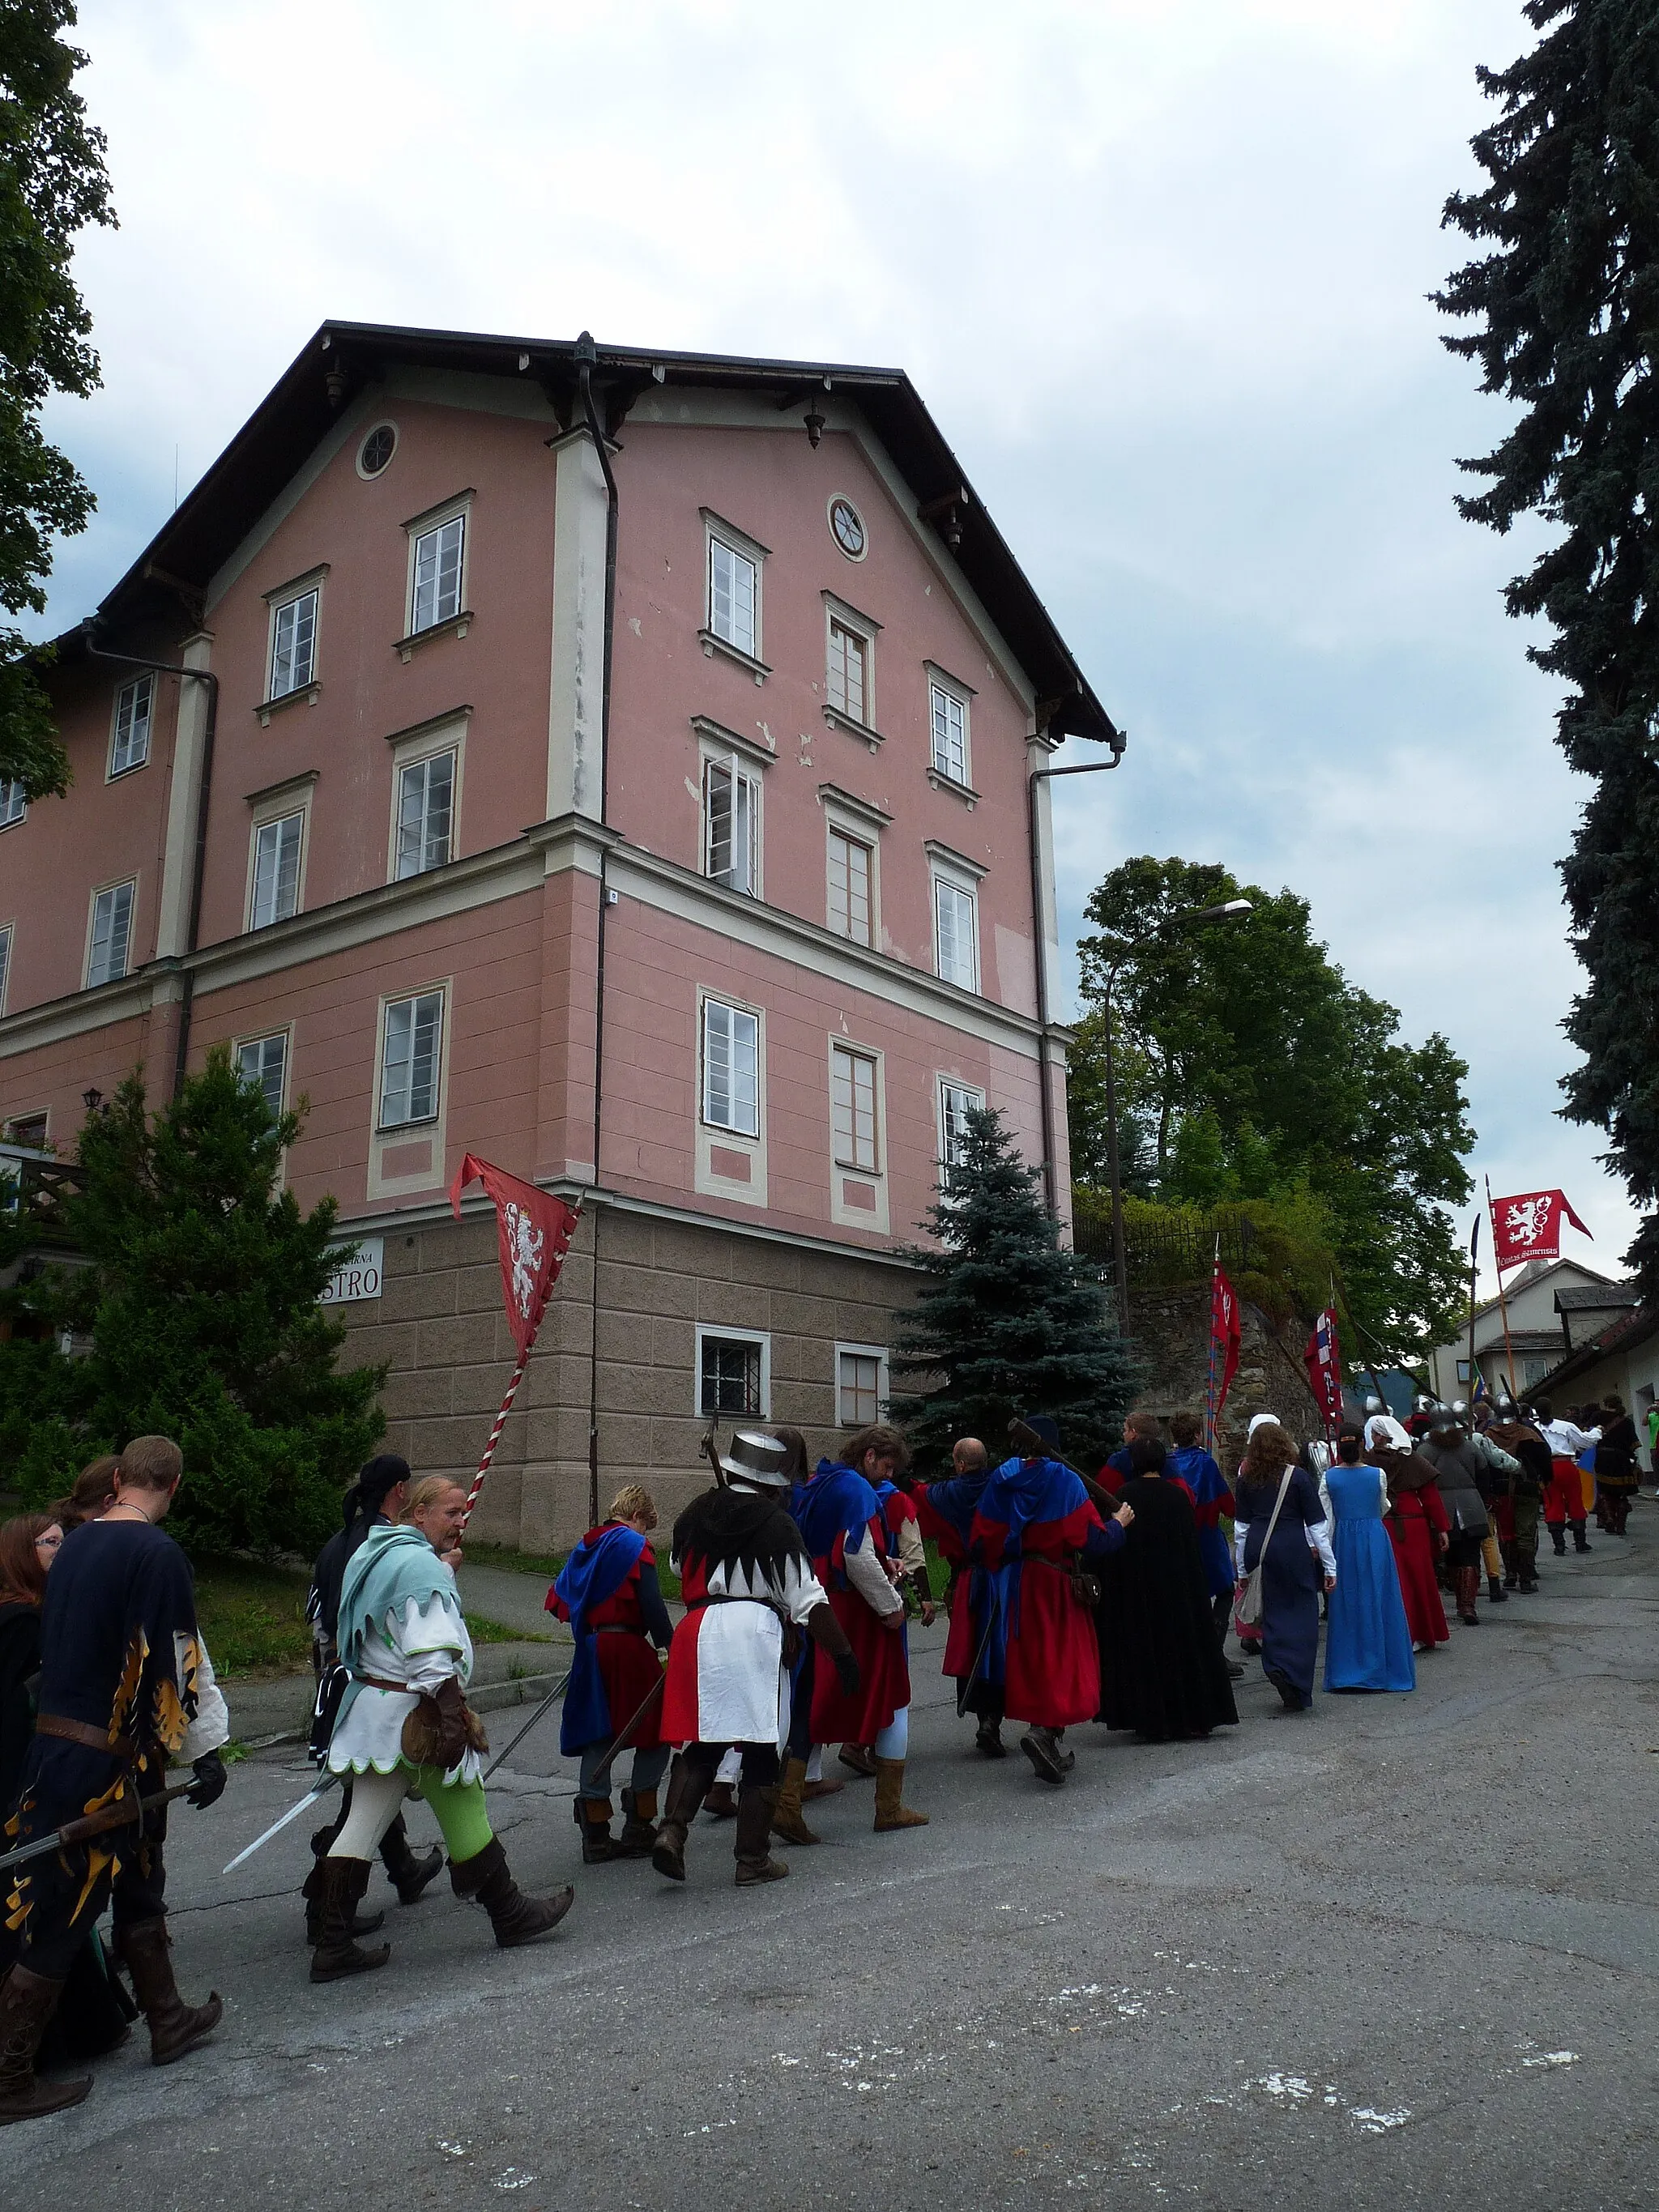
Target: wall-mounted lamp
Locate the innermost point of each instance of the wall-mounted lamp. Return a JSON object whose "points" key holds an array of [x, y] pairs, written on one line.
{"points": [[814, 427], [92, 1098]]}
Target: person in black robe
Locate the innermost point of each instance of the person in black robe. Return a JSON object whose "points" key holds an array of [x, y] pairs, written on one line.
{"points": [[1161, 1671]]}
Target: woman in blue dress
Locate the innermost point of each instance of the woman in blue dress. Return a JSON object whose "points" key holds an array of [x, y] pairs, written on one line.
{"points": [[1368, 1643], [1296, 1565]]}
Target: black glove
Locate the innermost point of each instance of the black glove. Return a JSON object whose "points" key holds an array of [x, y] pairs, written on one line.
{"points": [[209, 1785], [847, 1673]]}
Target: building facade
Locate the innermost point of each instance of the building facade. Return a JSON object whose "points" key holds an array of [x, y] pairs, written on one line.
{"points": [[616, 765], [1517, 1344]]}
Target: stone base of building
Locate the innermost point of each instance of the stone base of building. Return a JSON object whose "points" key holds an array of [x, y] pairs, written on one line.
{"points": [[662, 1286]]}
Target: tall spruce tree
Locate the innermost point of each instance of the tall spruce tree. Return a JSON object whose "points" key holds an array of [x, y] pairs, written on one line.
{"points": [[1567, 306], [1007, 1322], [199, 1304]]}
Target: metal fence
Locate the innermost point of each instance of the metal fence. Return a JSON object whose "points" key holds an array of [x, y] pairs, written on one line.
{"points": [[1168, 1253]]}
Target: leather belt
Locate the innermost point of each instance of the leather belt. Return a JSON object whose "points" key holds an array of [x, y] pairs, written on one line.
{"points": [[617, 1628], [81, 1732], [375, 1682]]}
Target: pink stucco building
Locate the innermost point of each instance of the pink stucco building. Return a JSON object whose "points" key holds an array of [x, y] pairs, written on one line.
{"points": [[652, 820]]}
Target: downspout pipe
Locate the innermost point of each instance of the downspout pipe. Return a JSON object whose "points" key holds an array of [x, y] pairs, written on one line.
{"points": [[203, 795], [1118, 741], [587, 358]]}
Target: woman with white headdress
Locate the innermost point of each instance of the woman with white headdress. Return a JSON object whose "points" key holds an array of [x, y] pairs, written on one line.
{"points": [[1418, 1527]]}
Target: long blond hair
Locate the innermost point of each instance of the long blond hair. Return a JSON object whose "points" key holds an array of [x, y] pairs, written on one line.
{"points": [[427, 1491]]}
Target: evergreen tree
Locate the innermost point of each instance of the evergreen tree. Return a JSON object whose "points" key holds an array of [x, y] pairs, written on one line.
{"points": [[199, 1300], [1007, 1322], [52, 184], [1567, 306]]}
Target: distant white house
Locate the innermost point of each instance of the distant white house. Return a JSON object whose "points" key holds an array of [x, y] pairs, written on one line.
{"points": [[1540, 1334]]}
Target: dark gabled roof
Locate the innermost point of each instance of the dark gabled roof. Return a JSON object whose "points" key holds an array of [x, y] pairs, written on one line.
{"points": [[1596, 1298], [1621, 1335], [274, 442]]}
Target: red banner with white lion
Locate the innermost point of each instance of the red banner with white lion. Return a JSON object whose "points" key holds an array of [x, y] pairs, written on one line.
{"points": [[1528, 1227], [535, 1229]]}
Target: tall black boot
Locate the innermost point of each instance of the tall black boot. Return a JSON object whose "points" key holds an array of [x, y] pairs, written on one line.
{"points": [[1511, 1571], [408, 1875], [1580, 1541], [336, 1955], [363, 1923], [1558, 1538]]}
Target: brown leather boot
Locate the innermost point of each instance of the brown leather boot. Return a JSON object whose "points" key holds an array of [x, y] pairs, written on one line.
{"points": [[1469, 1593], [363, 1923], [756, 1817], [593, 1819], [722, 1802], [27, 2004], [788, 1819], [515, 1917], [638, 1838], [144, 1947], [891, 1810], [857, 1756], [343, 1882], [685, 1796], [821, 1788], [407, 1875]]}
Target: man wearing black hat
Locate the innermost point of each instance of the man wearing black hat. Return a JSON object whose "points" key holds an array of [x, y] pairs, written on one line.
{"points": [[376, 1499], [747, 1582]]}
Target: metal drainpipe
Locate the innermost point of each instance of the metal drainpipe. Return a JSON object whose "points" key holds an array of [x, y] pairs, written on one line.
{"points": [[587, 357], [1118, 741], [204, 793]]}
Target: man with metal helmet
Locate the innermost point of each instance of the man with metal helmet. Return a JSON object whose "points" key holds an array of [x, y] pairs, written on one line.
{"points": [[749, 1587]]}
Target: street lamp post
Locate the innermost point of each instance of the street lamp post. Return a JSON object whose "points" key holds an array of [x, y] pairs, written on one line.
{"points": [[1183, 918]]}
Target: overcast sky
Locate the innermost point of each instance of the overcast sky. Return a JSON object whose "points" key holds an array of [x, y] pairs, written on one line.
{"points": [[1159, 270]]}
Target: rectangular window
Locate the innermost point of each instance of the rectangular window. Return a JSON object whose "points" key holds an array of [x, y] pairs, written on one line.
{"points": [[860, 1386], [956, 1103], [732, 826], [729, 1378], [852, 1109], [732, 598], [275, 870], [437, 592], [731, 1068], [29, 1130], [130, 746], [293, 645], [426, 812], [849, 888], [409, 1065], [13, 805], [954, 934], [5, 963], [849, 670], [262, 1062], [950, 719], [112, 933]]}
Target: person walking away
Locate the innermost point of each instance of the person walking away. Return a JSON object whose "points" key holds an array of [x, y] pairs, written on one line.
{"points": [[94, 2011], [1036, 1531], [845, 1532], [1615, 1466], [1518, 1499], [1194, 1468], [1140, 1426], [121, 1691], [743, 1573], [1162, 1671], [1461, 1476], [404, 1728], [608, 1591], [1564, 1500], [375, 1500], [944, 1511], [1295, 1556], [1418, 1528], [1499, 1473], [1368, 1643]]}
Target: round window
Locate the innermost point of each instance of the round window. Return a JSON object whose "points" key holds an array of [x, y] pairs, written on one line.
{"points": [[377, 449], [846, 525]]}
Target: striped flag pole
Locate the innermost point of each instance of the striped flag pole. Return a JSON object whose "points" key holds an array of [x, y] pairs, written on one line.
{"points": [[1209, 1387], [496, 1433]]}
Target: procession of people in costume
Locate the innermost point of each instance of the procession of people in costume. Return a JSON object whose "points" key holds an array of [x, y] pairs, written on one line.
{"points": [[1071, 1600]]}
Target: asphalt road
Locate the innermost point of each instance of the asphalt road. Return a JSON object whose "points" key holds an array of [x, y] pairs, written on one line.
{"points": [[1400, 1951]]}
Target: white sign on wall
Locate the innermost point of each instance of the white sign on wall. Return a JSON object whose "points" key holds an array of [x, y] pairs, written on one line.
{"points": [[360, 1278]]}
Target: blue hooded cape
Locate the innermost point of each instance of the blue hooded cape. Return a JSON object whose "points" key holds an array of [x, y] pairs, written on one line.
{"points": [[836, 1503], [593, 1573]]}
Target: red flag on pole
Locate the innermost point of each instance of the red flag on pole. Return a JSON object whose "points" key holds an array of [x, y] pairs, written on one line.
{"points": [[1226, 1337], [1323, 1361], [1528, 1227], [534, 1228]]}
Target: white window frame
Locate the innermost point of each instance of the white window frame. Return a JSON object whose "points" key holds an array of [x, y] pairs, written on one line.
{"points": [[944, 881], [259, 838], [846, 1061], [859, 823], [879, 1354], [7, 941], [843, 924], [746, 876], [837, 615], [14, 1125], [134, 758], [970, 1091], [412, 1122], [265, 1037], [276, 804], [438, 611], [707, 1001], [445, 733], [14, 807], [949, 688], [874, 1216], [421, 764], [751, 1339], [739, 543], [294, 595], [108, 890]]}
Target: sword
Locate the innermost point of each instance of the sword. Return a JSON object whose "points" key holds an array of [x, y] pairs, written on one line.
{"points": [[555, 1691], [319, 1789], [984, 1641], [94, 1824], [655, 1691]]}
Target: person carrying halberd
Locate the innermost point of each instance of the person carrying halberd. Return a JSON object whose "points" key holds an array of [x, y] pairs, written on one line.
{"points": [[404, 1728], [747, 1581]]}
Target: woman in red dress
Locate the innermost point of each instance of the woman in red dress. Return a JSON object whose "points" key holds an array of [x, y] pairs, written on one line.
{"points": [[1418, 1528]]}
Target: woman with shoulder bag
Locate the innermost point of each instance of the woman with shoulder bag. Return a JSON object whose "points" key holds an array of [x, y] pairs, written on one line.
{"points": [[1285, 1559]]}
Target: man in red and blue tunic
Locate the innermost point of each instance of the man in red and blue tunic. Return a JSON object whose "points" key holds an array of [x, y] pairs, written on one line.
{"points": [[1034, 1527], [608, 1591], [844, 1529], [973, 1652], [1196, 1471]]}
